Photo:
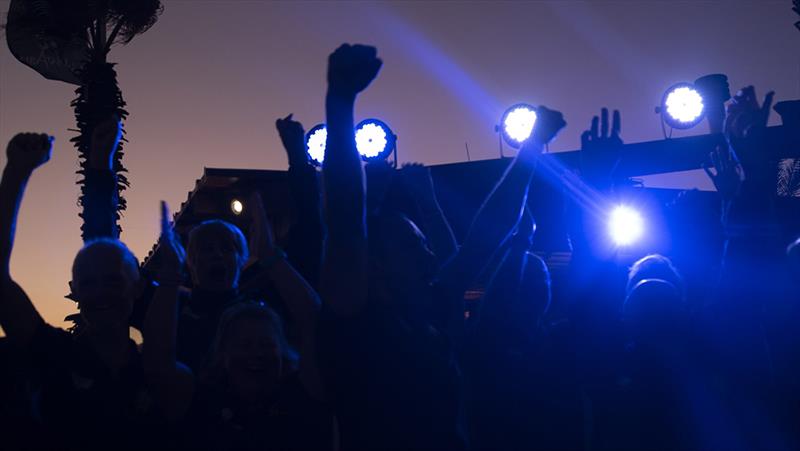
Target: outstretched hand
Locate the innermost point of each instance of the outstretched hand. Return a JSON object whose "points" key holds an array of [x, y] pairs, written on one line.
{"points": [[728, 175], [351, 68], [262, 240], [28, 151], [171, 253], [105, 141], [293, 139], [745, 115], [744, 128], [601, 147], [599, 136]]}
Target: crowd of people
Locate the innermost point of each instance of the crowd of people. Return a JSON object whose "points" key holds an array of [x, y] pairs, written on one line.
{"points": [[356, 336]]}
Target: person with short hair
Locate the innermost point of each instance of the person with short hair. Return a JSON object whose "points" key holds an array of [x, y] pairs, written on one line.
{"points": [[93, 392], [257, 392]]}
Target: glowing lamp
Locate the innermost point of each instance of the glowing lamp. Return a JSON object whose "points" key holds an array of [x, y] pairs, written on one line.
{"points": [[682, 106], [316, 139], [625, 225], [517, 123]]}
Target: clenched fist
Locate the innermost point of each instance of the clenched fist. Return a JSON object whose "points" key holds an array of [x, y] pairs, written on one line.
{"points": [[28, 151], [351, 68]]}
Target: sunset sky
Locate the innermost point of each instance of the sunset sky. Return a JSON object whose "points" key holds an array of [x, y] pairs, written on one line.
{"points": [[206, 83]]}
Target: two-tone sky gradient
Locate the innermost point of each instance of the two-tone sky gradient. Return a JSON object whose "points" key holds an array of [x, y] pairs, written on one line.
{"points": [[206, 83]]}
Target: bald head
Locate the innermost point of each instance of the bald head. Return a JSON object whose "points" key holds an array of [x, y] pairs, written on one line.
{"points": [[105, 276], [106, 251]]}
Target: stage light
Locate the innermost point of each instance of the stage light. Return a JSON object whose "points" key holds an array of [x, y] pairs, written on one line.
{"points": [[625, 225], [682, 106], [237, 207], [517, 123], [374, 140], [316, 138]]}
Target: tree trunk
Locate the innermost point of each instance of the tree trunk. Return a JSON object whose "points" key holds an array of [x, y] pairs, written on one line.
{"points": [[98, 98]]}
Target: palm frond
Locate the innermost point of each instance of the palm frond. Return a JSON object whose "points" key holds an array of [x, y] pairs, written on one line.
{"points": [[796, 9], [132, 17]]}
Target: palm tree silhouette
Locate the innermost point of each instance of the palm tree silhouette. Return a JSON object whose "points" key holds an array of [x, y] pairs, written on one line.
{"points": [[69, 41]]}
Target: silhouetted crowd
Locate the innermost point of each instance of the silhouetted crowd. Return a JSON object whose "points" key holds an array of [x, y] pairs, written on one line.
{"points": [[371, 328]]}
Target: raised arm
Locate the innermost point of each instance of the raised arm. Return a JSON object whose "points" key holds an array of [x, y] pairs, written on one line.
{"points": [[26, 152], [344, 268], [100, 195], [172, 382], [500, 212], [752, 207], [307, 234], [440, 236], [497, 306], [300, 299]]}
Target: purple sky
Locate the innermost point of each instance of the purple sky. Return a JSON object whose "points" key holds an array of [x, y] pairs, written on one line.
{"points": [[205, 85]]}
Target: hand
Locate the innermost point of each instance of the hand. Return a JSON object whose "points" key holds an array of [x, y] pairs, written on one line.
{"points": [[262, 240], [28, 151], [600, 150], [170, 252], [744, 127], [729, 173], [105, 141], [548, 124], [352, 68], [418, 180], [293, 138], [745, 115]]}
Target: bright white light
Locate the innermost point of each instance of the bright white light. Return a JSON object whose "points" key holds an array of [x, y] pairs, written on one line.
{"points": [[684, 104], [237, 207], [316, 144], [625, 225], [370, 140], [519, 123]]}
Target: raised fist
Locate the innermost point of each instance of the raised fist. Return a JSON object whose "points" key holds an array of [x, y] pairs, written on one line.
{"points": [[351, 68], [105, 140], [548, 124], [29, 150], [293, 137]]}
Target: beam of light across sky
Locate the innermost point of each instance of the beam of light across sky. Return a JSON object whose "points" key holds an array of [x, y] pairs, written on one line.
{"points": [[638, 67], [438, 63]]}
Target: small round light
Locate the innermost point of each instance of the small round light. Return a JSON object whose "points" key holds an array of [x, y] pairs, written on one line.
{"points": [[625, 225], [316, 139], [682, 106], [237, 207], [374, 140], [517, 123]]}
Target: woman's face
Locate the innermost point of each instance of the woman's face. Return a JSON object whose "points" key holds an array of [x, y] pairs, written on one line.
{"points": [[253, 355]]}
